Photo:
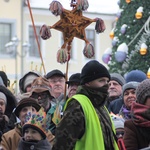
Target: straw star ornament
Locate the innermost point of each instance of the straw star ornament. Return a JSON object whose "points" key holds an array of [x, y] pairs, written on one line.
{"points": [[72, 24]]}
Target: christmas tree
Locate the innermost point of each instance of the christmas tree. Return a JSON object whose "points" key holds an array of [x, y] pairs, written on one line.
{"points": [[130, 38]]}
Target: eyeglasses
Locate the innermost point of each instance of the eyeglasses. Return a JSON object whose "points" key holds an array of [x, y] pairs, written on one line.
{"points": [[41, 95], [119, 133], [57, 80]]}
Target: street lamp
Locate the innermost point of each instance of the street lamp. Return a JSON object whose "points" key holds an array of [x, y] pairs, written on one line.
{"points": [[11, 48]]}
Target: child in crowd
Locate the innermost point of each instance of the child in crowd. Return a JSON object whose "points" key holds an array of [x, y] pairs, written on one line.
{"points": [[34, 133], [119, 127]]}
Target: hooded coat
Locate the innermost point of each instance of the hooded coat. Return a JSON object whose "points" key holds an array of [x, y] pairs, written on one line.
{"points": [[11, 100]]}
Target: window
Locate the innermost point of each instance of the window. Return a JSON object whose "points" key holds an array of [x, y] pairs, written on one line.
{"points": [[90, 35], [33, 50], [5, 36]]}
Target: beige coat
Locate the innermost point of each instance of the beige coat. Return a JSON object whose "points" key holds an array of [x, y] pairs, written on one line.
{"points": [[11, 139]]}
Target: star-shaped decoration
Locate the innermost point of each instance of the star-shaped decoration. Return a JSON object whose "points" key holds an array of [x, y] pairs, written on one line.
{"points": [[72, 24]]}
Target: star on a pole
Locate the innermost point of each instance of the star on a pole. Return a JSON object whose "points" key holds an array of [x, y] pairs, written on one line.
{"points": [[72, 24]]}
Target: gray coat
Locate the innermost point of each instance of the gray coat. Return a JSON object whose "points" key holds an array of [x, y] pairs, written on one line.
{"points": [[41, 145]]}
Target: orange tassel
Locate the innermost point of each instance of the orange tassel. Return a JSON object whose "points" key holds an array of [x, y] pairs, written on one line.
{"points": [[88, 51], [56, 8]]}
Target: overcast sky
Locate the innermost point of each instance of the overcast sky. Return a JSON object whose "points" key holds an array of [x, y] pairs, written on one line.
{"points": [[102, 6]]}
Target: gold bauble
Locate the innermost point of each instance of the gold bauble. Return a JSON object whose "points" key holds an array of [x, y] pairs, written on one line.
{"points": [[143, 51], [128, 1], [138, 15], [148, 75], [111, 35]]}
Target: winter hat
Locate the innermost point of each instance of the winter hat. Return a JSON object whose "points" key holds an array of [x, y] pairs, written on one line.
{"points": [[129, 85], [26, 80], [93, 70], [74, 78], [38, 122], [135, 75], [4, 78], [118, 78], [143, 91], [40, 84], [55, 72], [26, 102], [3, 97], [118, 121]]}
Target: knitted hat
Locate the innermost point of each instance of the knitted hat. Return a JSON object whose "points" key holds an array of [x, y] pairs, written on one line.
{"points": [[40, 84], [118, 121], [92, 71], [118, 78], [26, 102], [55, 72], [38, 122], [74, 78], [4, 78], [26, 80], [129, 85], [143, 91], [135, 75], [3, 97]]}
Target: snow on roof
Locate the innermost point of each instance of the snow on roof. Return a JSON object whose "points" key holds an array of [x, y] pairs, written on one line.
{"points": [[99, 6]]}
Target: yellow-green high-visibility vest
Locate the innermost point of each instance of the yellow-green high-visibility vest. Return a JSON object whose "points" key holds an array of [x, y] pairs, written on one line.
{"points": [[93, 136]]}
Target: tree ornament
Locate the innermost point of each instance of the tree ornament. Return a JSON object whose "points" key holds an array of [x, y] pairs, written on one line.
{"points": [[123, 28], [119, 13], [107, 55], [139, 13], [118, 2], [148, 73], [88, 50], [121, 52], [128, 1], [114, 41], [143, 50], [111, 34], [56, 8]]}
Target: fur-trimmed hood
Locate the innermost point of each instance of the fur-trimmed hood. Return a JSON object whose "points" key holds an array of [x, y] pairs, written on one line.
{"points": [[11, 100]]}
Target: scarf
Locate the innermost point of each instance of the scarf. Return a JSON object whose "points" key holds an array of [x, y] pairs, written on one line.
{"points": [[98, 98], [141, 115]]}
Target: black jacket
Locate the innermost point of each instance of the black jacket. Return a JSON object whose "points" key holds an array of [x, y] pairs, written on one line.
{"points": [[116, 105]]}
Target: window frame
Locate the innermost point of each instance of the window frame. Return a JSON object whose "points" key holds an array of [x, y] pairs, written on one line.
{"points": [[33, 36], [12, 22]]}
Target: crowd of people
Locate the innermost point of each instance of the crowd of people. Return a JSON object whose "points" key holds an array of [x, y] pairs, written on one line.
{"points": [[97, 111]]}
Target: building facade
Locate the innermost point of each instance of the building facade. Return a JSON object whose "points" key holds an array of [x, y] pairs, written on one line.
{"points": [[15, 20]]}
